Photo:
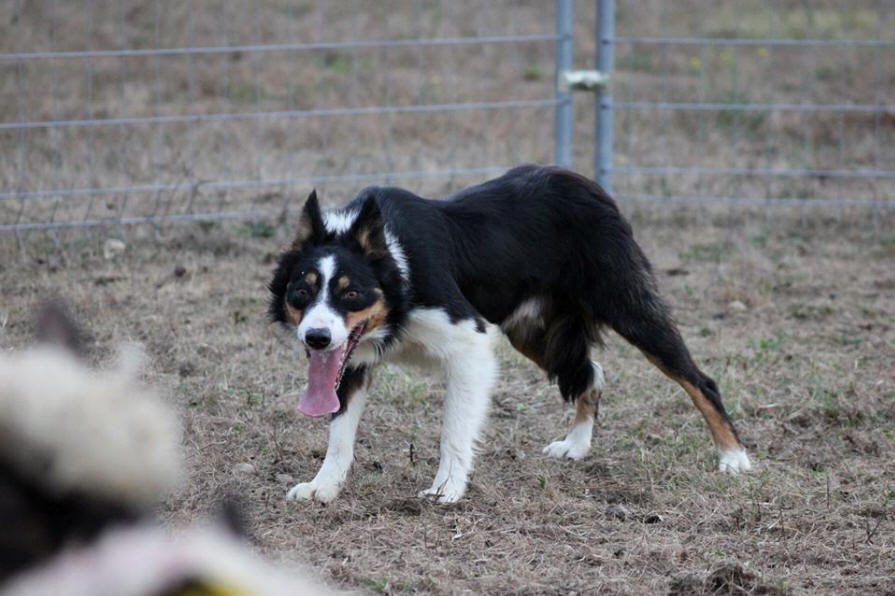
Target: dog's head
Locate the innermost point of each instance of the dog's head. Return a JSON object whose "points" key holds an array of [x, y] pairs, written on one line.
{"points": [[337, 287]]}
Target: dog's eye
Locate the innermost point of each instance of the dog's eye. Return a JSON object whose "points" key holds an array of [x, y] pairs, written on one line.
{"points": [[350, 295]]}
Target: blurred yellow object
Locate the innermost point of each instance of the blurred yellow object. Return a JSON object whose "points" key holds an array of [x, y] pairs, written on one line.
{"points": [[211, 589], [695, 65], [727, 57]]}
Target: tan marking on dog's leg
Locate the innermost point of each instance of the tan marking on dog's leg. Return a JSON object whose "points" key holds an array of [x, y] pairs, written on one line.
{"points": [[576, 445], [722, 433], [732, 454], [530, 342], [587, 406]]}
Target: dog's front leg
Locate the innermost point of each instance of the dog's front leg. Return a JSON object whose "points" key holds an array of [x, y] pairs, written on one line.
{"points": [[328, 482], [471, 372]]}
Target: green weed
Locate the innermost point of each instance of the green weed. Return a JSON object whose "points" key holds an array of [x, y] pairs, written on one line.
{"points": [[258, 229], [765, 345], [533, 72], [707, 252], [343, 64]]}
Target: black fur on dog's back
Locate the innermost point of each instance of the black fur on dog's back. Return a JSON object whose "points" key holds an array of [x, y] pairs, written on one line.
{"points": [[548, 232], [559, 235], [540, 232], [568, 243]]}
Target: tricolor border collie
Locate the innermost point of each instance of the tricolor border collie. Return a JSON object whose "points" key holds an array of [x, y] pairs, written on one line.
{"points": [[541, 253]]}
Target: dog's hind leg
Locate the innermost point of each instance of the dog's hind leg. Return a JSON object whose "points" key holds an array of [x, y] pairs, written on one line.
{"points": [[327, 484], [576, 445], [651, 330], [581, 380]]}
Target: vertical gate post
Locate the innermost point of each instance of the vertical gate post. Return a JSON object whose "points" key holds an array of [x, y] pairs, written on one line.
{"points": [[603, 115], [562, 132]]}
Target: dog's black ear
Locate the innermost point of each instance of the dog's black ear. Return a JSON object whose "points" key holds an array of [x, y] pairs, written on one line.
{"points": [[56, 327], [310, 224], [369, 230]]}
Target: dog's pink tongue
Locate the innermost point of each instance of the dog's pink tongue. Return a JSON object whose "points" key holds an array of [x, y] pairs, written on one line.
{"points": [[321, 398]]}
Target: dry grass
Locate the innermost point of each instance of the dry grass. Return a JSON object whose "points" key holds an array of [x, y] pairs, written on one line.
{"points": [[806, 370]]}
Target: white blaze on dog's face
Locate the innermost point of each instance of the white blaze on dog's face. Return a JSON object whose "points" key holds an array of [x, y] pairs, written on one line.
{"points": [[322, 327], [327, 289]]}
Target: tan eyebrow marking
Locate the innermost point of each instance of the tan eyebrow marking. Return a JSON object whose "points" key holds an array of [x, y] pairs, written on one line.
{"points": [[343, 282], [311, 278]]}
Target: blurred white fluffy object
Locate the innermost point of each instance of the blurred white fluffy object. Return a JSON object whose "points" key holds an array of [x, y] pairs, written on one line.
{"points": [[71, 428], [85, 455], [145, 560]]}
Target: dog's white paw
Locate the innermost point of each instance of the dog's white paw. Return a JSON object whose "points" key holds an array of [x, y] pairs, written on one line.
{"points": [[306, 491], [303, 491], [733, 462], [443, 495], [570, 449]]}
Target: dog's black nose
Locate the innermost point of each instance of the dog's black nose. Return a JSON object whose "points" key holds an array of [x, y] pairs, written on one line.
{"points": [[318, 338]]}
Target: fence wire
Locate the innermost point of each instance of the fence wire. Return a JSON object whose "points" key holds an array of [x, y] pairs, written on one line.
{"points": [[125, 111], [765, 103]]}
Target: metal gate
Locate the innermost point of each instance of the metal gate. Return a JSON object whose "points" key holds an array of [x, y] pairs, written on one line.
{"points": [[758, 103]]}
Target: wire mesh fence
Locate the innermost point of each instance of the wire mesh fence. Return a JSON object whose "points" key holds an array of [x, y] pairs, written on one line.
{"points": [[755, 103], [126, 111]]}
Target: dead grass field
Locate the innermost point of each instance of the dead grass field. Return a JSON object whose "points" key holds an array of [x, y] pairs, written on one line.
{"points": [[805, 360], [806, 369]]}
